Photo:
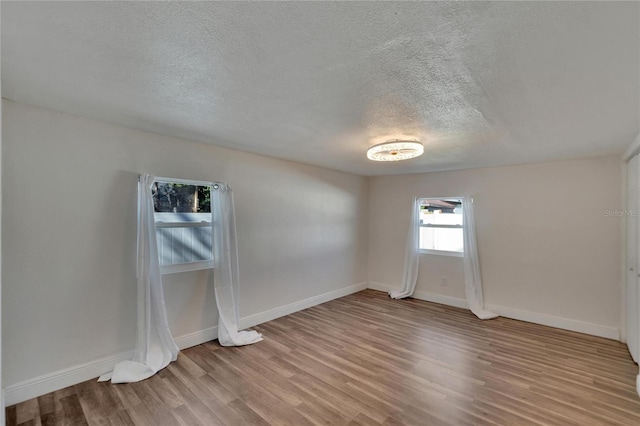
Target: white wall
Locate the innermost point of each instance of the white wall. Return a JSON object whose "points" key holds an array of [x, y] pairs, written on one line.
{"points": [[548, 251], [69, 220]]}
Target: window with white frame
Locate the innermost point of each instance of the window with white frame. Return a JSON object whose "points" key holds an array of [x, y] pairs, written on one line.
{"points": [[182, 211], [441, 226]]}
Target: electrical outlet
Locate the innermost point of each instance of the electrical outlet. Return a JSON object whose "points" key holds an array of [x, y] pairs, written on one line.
{"points": [[444, 281]]}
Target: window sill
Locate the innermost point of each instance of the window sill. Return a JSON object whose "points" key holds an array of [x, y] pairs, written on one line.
{"points": [[442, 253], [185, 267]]}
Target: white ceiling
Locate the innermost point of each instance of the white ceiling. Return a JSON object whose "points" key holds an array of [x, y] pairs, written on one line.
{"points": [[480, 84]]}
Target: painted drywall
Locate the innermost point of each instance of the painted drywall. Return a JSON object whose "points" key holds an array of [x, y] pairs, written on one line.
{"points": [[548, 236], [69, 219]]}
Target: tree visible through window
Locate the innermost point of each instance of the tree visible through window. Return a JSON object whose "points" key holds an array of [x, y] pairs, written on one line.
{"points": [[171, 197], [183, 226], [441, 226]]}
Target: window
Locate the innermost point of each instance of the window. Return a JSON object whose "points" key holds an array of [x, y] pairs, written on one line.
{"points": [[441, 226], [182, 212]]}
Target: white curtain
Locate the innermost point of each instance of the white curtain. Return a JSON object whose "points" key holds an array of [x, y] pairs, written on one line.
{"points": [[225, 273], [472, 278], [411, 256], [155, 347]]}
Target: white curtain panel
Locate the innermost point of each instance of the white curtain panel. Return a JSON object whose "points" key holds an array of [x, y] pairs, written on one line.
{"points": [[411, 256], [155, 347], [472, 278], [226, 274]]}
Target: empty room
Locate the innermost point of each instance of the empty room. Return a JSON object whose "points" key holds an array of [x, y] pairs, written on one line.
{"points": [[320, 213]]}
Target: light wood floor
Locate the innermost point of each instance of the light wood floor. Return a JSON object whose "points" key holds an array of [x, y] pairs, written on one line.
{"points": [[368, 360]]}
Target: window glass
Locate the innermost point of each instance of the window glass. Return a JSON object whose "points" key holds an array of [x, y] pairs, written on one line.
{"points": [[183, 226], [169, 197], [441, 225]]}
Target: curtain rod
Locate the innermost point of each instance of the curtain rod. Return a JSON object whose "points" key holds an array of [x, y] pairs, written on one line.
{"points": [[446, 198], [186, 181]]}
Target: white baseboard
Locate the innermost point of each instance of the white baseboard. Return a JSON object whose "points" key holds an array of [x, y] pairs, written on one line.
{"points": [[197, 337], [441, 298], [281, 311], [373, 285], [424, 295], [62, 378], [56, 380], [528, 316], [558, 322]]}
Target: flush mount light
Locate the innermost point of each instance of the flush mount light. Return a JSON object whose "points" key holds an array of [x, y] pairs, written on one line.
{"points": [[395, 150]]}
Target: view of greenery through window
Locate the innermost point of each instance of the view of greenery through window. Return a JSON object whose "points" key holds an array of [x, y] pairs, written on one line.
{"points": [[171, 197]]}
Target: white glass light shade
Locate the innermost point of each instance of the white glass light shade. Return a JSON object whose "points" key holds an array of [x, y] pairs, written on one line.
{"points": [[395, 151]]}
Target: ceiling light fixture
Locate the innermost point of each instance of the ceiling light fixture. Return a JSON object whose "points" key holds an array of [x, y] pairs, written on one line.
{"points": [[395, 150]]}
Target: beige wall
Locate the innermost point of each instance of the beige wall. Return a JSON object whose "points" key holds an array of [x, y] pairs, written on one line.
{"points": [[546, 245], [69, 222]]}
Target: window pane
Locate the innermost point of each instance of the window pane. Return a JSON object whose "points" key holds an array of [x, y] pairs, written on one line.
{"points": [[441, 212], [171, 197], [184, 244], [446, 239], [427, 239], [183, 222]]}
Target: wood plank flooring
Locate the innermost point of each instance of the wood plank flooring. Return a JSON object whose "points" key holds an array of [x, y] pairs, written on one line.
{"points": [[365, 359]]}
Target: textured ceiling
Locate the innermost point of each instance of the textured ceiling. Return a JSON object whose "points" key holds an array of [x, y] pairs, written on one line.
{"points": [[479, 83]]}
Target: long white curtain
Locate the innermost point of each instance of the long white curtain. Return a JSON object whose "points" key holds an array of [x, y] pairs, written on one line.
{"points": [[411, 256], [225, 275], [472, 278], [155, 347]]}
